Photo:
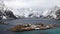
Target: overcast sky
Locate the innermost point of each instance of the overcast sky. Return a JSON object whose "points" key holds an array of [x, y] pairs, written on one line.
{"points": [[31, 3]]}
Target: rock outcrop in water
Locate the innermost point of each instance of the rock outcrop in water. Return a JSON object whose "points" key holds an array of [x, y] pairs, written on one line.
{"points": [[29, 27]]}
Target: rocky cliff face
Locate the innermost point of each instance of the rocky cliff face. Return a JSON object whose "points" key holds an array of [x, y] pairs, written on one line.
{"points": [[7, 14], [10, 14]]}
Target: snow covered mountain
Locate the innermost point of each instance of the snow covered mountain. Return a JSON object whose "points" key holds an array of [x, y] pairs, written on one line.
{"points": [[53, 13], [27, 13], [8, 13], [5, 13]]}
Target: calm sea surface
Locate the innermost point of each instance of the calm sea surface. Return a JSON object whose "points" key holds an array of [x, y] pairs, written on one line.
{"points": [[33, 21]]}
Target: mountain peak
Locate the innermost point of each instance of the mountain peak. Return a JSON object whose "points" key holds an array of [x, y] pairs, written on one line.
{"points": [[53, 13]]}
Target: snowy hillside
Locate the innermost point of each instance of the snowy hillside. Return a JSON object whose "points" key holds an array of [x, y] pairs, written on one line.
{"points": [[8, 12], [27, 12], [5, 13], [53, 13]]}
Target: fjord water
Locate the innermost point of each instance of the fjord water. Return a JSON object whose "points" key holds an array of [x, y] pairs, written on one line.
{"points": [[3, 28]]}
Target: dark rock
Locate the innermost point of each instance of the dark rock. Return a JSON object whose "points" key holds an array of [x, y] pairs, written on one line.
{"points": [[1, 15], [10, 14]]}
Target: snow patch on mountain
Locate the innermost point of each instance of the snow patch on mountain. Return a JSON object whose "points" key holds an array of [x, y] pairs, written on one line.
{"points": [[26, 12], [52, 13]]}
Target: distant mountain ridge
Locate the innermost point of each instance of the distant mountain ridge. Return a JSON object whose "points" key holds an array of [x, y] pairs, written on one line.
{"points": [[8, 13]]}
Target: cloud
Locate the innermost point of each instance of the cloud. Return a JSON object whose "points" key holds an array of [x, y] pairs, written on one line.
{"points": [[32, 3]]}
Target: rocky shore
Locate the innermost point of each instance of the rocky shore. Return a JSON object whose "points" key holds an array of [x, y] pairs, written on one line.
{"points": [[2, 22], [29, 27]]}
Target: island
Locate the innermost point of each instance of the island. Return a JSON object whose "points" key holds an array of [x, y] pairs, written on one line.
{"points": [[30, 27]]}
